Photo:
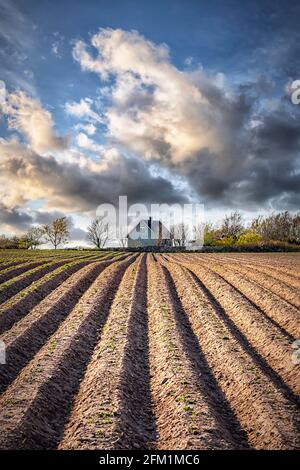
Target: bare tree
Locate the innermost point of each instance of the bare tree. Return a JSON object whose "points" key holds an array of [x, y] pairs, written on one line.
{"points": [[179, 233], [98, 232], [57, 232], [205, 233], [232, 225], [34, 237], [172, 234], [123, 242], [295, 229], [281, 226], [198, 230]]}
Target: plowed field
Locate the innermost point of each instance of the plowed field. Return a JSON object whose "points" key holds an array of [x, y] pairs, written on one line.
{"points": [[111, 350]]}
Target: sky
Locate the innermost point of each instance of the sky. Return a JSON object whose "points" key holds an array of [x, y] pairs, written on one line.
{"points": [[163, 101]]}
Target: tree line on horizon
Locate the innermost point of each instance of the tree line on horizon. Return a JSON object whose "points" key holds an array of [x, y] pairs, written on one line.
{"points": [[281, 227]]}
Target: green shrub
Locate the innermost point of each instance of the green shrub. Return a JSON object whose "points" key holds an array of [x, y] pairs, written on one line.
{"points": [[226, 241], [249, 237], [209, 238]]}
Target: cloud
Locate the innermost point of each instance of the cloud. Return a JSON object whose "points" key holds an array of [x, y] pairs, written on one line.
{"points": [[20, 221], [57, 44], [73, 181], [89, 129], [157, 110], [228, 145], [76, 233], [14, 25], [14, 218], [54, 49], [85, 142], [77, 183], [26, 115], [2, 92], [17, 43], [83, 109], [234, 144]]}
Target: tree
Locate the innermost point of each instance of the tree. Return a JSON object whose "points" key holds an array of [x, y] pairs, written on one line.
{"points": [[6, 243], [232, 225], [282, 226], [225, 241], [12, 242], [123, 242], [34, 237], [23, 243], [274, 227], [179, 233], [98, 232], [57, 232], [206, 232], [295, 229]]}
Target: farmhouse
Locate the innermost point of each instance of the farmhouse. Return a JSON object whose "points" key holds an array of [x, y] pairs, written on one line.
{"points": [[149, 233]]}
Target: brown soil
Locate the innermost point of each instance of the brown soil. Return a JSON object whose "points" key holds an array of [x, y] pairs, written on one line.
{"points": [[175, 351], [113, 407], [262, 410], [36, 406]]}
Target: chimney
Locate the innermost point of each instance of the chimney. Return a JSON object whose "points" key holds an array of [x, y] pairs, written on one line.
{"points": [[150, 226]]}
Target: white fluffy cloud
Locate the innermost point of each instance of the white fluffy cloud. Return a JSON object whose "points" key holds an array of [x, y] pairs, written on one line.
{"points": [[89, 128], [157, 110], [83, 109], [85, 142], [26, 115]]}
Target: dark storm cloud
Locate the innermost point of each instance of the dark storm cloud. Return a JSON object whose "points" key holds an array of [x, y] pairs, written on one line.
{"points": [[72, 187], [279, 133], [44, 218], [14, 218], [20, 221], [260, 163], [87, 189], [77, 234]]}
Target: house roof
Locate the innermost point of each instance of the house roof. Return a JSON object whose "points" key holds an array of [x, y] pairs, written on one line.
{"points": [[154, 228]]}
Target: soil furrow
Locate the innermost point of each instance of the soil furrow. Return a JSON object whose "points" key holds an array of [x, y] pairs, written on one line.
{"points": [[215, 397], [5, 265], [136, 424], [281, 314], [35, 408], [186, 418], [26, 279], [267, 417], [113, 405], [29, 334], [112, 350], [273, 356], [276, 308], [277, 266], [11, 314], [18, 295], [275, 272], [18, 307], [11, 273], [278, 288]]}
